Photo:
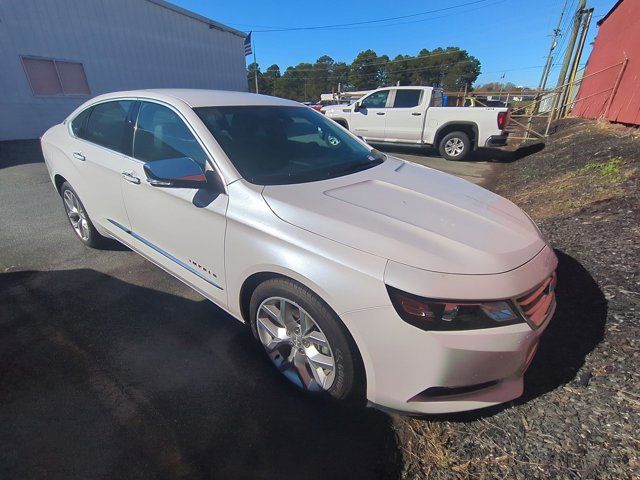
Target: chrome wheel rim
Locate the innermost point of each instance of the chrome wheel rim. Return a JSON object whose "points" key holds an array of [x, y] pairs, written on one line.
{"points": [[454, 146], [76, 214], [295, 344]]}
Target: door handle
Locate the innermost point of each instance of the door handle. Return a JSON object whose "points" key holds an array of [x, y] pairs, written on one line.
{"points": [[79, 156], [416, 114], [379, 113], [130, 177]]}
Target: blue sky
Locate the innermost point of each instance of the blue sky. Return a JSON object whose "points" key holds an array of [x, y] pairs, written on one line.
{"points": [[509, 37]]}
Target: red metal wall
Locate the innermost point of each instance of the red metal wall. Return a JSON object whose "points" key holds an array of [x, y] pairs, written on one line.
{"points": [[619, 34]]}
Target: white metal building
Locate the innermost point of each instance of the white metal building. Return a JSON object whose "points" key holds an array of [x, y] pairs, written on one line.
{"points": [[56, 54]]}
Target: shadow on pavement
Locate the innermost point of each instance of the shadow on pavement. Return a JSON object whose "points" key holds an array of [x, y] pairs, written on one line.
{"points": [[100, 378], [20, 152], [480, 155], [574, 331]]}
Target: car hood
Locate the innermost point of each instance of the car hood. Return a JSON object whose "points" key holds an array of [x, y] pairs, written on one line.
{"points": [[413, 215]]}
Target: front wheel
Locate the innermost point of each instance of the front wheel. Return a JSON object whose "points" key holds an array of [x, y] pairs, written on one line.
{"points": [[305, 340], [455, 146]]}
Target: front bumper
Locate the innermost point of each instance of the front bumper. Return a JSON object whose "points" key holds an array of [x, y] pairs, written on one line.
{"points": [[427, 372], [409, 364], [497, 140]]}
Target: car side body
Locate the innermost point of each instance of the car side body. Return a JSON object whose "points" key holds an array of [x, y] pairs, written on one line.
{"points": [[348, 239]]}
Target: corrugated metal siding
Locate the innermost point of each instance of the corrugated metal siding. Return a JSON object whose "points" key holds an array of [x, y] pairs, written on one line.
{"points": [[618, 35], [123, 44]]}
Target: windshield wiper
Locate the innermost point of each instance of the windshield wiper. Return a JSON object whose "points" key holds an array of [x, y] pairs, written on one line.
{"points": [[356, 167]]}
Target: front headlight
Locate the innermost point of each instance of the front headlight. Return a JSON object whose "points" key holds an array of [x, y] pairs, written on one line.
{"points": [[430, 314]]}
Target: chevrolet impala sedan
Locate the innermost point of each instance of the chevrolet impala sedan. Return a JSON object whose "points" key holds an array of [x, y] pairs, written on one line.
{"points": [[363, 276]]}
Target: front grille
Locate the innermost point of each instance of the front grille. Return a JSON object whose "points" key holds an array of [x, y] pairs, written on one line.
{"points": [[537, 304]]}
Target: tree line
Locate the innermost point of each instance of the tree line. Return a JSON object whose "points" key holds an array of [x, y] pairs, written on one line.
{"points": [[451, 68]]}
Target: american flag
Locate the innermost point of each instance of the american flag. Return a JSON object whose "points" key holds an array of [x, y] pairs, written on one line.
{"points": [[247, 45]]}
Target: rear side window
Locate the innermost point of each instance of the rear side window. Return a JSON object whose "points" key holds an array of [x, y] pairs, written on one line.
{"points": [[161, 134], [107, 126], [78, 123], [407, 98], [376, 100]]}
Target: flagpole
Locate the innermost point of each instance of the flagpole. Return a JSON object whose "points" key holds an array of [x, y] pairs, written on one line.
{"points": [[255, 62]]}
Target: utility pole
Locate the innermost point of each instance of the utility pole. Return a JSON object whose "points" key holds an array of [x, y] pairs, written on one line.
{"points": [[554, 43], [565, 64], [545, 72], [573, 71]]}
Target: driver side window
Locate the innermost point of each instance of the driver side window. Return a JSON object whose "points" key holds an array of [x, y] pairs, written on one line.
{"points": [[376, 100], [161, 134]]}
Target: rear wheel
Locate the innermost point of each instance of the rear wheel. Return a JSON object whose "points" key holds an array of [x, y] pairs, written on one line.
{"points": [[455, 146], [305, 340], [79, 219]]}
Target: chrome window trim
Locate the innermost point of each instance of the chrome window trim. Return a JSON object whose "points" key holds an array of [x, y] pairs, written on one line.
{"points": [[207, 152]]}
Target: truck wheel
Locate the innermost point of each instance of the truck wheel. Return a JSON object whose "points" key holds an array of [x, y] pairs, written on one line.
{"points": [[455, 146]]}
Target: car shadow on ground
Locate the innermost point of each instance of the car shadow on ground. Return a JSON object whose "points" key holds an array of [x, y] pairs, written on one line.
{"points": [[100, 378], [20, 152], [495, 155], [575, 330]]}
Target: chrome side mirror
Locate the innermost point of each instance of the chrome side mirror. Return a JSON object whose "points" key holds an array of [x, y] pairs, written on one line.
{"points": [[175, 173]]}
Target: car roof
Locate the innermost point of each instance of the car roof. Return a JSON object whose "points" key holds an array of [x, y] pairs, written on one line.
{"points": [[202, 98]]}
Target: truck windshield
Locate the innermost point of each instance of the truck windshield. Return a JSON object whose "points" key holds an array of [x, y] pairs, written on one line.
{"points": [[276, 145]]}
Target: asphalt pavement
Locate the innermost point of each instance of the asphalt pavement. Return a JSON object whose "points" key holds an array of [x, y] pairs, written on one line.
{"points": [[111, 368]]}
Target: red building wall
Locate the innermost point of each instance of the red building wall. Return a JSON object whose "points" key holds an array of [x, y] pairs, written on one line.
{"points": [[618, 34]]}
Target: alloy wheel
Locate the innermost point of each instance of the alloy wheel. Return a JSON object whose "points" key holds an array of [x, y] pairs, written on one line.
{"points": [[454, 146], [77, 215], [296, 344]]}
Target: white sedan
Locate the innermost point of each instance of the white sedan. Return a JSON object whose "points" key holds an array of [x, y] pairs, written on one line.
{"points": [[363, 276]]}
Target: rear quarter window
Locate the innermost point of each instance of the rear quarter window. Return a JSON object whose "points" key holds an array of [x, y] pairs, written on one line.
{"points": [[78, 123]]}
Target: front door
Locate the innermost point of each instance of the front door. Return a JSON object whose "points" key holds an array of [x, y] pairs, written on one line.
{"points": [[370, 119], [405, 117], [182, 229]]}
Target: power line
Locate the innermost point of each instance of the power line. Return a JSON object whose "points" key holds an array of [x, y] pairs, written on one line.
{"points": [[368, 22]]}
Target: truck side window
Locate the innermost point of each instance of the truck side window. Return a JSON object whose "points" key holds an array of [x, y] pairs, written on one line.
{"points": [[376, 100], [407, 98]]}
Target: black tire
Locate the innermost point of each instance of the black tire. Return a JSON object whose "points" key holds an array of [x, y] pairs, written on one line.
{"points": [[462, 139], [93, 238], [349, 383]]}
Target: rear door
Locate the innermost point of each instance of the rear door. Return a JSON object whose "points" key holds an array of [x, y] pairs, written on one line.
{"points": [[370, 120], [405, 117], [181, 229], [102, 139]]}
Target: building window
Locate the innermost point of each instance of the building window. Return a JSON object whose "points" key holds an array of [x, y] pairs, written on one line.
{"points": [[55, 77]]}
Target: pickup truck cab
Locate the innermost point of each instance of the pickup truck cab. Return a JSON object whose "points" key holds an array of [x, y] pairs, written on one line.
{"points": [[414, 116]]}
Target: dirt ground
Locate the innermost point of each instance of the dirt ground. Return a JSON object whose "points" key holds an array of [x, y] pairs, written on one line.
{"points": [[580, 414]]}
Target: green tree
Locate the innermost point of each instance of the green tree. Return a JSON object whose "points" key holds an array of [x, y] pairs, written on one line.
{"points": [[271, 77], [368, 70]]}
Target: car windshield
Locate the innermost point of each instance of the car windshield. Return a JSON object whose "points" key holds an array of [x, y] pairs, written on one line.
{"points": [[276, 145]]}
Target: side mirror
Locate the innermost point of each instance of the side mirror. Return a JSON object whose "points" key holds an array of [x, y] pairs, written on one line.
{"points": [[357, 106], [176, 173]]}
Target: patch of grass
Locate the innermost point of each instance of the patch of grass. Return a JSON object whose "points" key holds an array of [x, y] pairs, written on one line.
{"points": [[608, 170]]}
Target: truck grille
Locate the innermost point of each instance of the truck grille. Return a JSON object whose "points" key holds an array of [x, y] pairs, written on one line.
{"points": [[539, 303]]}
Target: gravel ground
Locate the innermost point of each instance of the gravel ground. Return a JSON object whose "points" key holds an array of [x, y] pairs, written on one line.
{"points": [[580, 414]]}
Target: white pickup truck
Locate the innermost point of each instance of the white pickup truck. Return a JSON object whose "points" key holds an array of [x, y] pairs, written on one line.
{"points": [[414, 116]]}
